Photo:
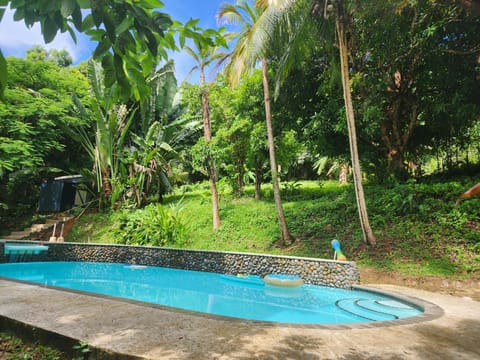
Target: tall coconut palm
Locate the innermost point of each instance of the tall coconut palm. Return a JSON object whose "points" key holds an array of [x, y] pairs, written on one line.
{"points": [[340, 25], [206, 53], [243, 59], [289, 16]]}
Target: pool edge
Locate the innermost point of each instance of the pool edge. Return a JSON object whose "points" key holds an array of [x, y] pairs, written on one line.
{"points": [[430, 310]]}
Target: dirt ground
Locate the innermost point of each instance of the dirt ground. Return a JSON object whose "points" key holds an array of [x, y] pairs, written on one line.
{"points": [[463, 288]]}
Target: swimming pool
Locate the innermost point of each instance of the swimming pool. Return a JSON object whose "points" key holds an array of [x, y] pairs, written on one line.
{"points": [[212, 293]]}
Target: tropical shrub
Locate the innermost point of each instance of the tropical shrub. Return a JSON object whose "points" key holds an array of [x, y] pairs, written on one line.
{"points": [[155, 225]]}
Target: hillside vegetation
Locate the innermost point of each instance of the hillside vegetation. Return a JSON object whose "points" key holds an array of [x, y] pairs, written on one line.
{"points": [[419, 229]]}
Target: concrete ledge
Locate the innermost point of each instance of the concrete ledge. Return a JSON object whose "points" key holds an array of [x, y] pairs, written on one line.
{"points": [[141, 331]]}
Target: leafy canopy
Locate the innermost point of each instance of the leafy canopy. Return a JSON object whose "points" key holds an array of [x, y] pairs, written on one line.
{"points": [[130, 35]]}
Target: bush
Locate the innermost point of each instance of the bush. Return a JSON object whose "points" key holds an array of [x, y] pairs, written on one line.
{"points": [[155, 225]]}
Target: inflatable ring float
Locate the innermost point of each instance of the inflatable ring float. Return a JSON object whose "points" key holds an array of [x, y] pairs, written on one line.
{"points": [[281, 280]]}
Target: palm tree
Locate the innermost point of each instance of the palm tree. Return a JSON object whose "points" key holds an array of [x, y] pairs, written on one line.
{"points": [[205, 54], [243, 59], [340, 25], [290, 16]]}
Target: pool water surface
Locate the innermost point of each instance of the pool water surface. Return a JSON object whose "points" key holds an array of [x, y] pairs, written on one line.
{"points": [[213, 293]]}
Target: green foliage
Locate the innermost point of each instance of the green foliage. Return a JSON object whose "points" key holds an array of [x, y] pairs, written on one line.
{"points": [[206, 50], [33, 142], [129, 35], [134, 152], [96, 227], [405, 106], [149, 157], [455, 218], [201, 153], [12, 348], [60, 57], [3, 76], [288, 150], [233, 140], [404, 111], [163, 88], [289, 188], [413, 200], [429, 238], [155, 225], [83, 349], [37, 104], [111, 121]]}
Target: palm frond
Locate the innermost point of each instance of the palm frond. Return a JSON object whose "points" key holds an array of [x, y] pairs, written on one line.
{"points": [[253, 41], [229, 14], [192, 53]]}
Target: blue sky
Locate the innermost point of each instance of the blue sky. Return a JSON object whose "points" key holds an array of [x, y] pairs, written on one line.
{"points": [[16, 38]]}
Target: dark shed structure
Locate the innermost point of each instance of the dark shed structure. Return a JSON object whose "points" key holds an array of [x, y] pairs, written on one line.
{"points": [[59, 195]]}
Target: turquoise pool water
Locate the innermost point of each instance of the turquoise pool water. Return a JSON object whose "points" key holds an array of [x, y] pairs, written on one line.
{"points": [[238, 297]]}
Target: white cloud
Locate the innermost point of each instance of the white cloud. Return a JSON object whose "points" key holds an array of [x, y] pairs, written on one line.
{"points": [[16, 39]]}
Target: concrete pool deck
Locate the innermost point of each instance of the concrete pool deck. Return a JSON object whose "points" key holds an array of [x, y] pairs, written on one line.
{"points": [[131, 330]]}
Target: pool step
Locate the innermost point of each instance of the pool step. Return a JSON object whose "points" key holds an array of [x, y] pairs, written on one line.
{"points": [[365, 309], [392, 307]]}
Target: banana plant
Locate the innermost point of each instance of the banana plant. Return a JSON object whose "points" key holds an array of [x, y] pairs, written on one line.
{"points": [[111, 122], [156, 145], [130, 149], [148, 157]]}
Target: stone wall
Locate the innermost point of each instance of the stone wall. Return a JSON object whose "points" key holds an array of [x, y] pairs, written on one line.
{"points": [[341, 274]]}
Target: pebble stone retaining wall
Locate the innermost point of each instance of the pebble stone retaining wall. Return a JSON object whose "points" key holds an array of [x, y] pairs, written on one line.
{"points": [[342, 274]]}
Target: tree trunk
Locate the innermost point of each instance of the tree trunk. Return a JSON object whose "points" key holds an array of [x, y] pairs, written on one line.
{"points": [[258, 182], [343, 176], [107, 187], [368, 235], [135, 192], [207, 131], [395, 135], [240, 175], [396, 164], [240, 184], [286, 237], [106, 190]]}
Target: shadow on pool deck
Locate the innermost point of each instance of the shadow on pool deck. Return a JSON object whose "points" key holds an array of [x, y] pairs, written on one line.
{"points": [[141, 331]]}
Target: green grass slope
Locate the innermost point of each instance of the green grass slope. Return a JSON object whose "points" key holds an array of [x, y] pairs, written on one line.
{"points": [[419, 229]]}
